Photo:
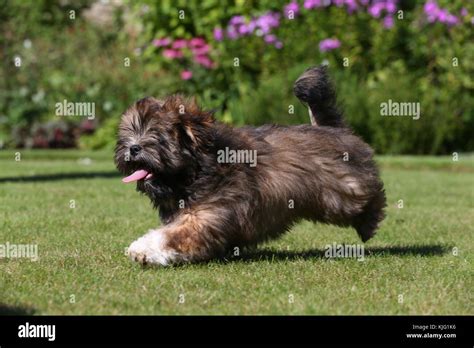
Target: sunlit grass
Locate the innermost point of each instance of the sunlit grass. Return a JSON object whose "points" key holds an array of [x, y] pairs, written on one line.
{"points": [[423, 251]]}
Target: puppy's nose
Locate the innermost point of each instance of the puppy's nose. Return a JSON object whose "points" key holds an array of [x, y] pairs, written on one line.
{"points": [[135, 149]]}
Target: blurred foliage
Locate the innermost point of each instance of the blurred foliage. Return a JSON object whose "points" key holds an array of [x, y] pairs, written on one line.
{"points": [[83, 59]]}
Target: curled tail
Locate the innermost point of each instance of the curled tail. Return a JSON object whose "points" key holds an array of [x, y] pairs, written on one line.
{"points": [[315, 89]]}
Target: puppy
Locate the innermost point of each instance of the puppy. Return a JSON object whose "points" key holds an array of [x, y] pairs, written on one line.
{"points": [[214, 196]]}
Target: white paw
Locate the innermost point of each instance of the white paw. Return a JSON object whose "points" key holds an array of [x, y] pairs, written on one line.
{"points": [[150, 250]]}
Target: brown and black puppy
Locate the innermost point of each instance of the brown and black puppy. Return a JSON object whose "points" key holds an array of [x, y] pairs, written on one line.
{"points": [[219, 187]]}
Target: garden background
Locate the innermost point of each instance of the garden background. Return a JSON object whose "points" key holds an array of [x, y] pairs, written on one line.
{"points": [[240, 58], [60, 190]]}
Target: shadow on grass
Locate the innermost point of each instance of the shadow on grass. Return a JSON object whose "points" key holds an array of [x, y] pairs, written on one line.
{"points": [[60, 176], [16, 310], [280, 255], [257, 255]]}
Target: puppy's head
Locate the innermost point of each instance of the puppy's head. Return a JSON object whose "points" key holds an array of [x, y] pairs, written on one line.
{"points": [[159, 142]]}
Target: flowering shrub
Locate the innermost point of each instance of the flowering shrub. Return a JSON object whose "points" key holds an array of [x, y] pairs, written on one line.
{"points": [[239, 26], [437, 14], [261, 26], [186, 53]]}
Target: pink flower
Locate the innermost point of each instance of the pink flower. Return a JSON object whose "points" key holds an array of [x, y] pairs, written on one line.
{"points": [[309, 4], [199, 51], [376, 9], [443, 15], [197, 42], [329, 45], [218, 34], [172, 54], [434, 13], [388, 22], [180, 43], [231, 33], [205, 61], [391, 7], [292, 9], [244, 29], [237, 20], [452, 20], [267, 21], [352, 6], [270, 38], [186, 74], [165, 41]]}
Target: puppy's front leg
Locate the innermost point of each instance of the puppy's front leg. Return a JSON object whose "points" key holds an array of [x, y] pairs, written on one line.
{"points": [[152, 249], [191, 237]]}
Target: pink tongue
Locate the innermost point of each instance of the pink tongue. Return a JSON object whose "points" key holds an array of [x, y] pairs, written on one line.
{"points": [[138, 175]]}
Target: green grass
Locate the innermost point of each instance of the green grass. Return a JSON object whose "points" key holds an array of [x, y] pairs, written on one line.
{"points": [[81, 250]]}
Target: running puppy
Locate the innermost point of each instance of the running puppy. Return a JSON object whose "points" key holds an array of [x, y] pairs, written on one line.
{"points": [[270, 177]]}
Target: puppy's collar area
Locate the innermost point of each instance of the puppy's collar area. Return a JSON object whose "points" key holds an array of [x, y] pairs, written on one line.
{"points": [[137, 175]]}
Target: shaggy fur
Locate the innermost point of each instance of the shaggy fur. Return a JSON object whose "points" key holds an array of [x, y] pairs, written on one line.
{"points": [[320, 172]]}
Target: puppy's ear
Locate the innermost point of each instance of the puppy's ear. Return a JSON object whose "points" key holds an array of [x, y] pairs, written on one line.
{"points": [[143, 110], [194, 122], [147, 104], [197, 127]]}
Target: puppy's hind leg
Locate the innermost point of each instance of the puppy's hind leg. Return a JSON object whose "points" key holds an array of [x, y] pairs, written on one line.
{"points": [[367, 222]]}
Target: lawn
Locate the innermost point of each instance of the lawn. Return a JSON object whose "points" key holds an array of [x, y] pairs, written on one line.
{"points": [[420, 262]]}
